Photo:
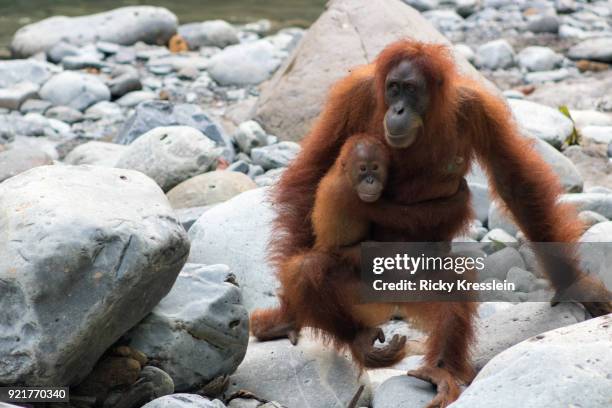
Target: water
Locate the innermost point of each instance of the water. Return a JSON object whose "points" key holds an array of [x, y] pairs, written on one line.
{"points": [[17, 13]]}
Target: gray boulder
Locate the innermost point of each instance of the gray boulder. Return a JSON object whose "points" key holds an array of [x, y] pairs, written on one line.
{"points": [[125, 26], [131, 99], [349, 33], [596, 49], [519, 322], [541, 121], [74, 89], [245, 64], [496, 54], [199, 331], [275, 155], [564, 168], [64, 113], [569, 366], [170, 155], [151, 114], [236, 234], [481, 200], [13, 72], [209, 188], [184, 401], [96, 153], [500, 218], [212, 33], [93, 250], [306, 375]]}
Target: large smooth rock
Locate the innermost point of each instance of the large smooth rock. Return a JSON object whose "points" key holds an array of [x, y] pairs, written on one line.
{"points": [[170, 155], [17, 159], [184, 401], [275, 155], [125, 26], [212, 33], [566, 367], [91, 251], [519, 322], [569, 175], [151, 114], [209, 188], [597, 49], [349, 33], [245, 64], [96, 153], [13, 72], [74, 89], [199, 331], [236, 234], [302, 376], [541, 121]]}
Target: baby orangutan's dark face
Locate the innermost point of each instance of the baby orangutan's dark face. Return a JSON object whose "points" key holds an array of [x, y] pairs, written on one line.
{"points": [[367, 171]]}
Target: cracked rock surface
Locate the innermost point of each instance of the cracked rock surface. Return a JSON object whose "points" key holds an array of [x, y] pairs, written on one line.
{"points": [[85, 253]]}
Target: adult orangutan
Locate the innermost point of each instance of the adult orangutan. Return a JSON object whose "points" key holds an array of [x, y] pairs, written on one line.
{"points": [[436, 123]]}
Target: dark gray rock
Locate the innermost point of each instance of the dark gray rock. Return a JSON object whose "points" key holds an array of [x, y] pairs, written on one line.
{"points": [[124, 79], [499, 263], [199, 331], [93, 250], [544, 24], [152, 114], [125, 26], [276, 155]]}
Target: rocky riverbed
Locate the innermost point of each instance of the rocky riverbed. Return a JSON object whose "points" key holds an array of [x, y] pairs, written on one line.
{"points": [[136, 154]]}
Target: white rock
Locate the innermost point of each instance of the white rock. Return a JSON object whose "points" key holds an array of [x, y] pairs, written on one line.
{"points": [[568, 367], [125, 26], [403, 391], [497, 54], [170, 155], [584, 118], [302, 376], [236, 234], [131, 99], [465, 51], [74, 89], [519, 322], [181, 400], [96, 153], [276, 155], [541, 121], [245, 64], [597, 49], [538, 59], [599, 134], [250, 135], [212, 33], [13, 72], [13, 97]]}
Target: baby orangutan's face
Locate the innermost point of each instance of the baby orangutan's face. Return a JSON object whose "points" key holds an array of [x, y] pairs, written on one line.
{"points": [[367, 171]]}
